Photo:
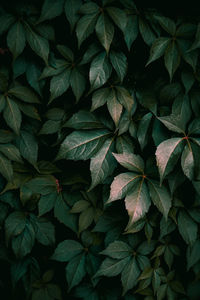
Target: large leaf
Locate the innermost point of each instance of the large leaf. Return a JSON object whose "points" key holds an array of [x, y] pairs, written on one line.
{"points": [[82, 144]]}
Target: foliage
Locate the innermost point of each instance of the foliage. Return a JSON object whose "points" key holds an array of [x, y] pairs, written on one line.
{"points": [[99, 151]]}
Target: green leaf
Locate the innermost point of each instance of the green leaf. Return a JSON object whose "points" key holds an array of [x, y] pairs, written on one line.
{"points": [[12, 115], [82, 145], [99, 98], [131, 31], [78, 83], [22, 244], [130, 275], [167, 24], [83, 120], [121, 185], [112, 267], [100, 70], [143, 130], [6, 20], [66, 53], [59, 84], [172, 59], [137, 202], [75, 271], [14, 224], [125, 98], [119, 63], [187, 161], [105, 31], [16, 39], [45, 232], [196, 43], [85, 27], [51, 9], [24, 93], [158, 49], [114, 107], [160, 197], [28, 147], [102, 163], [167, 155], [42, 185], [117, 250], [46, 203], [187, 227], [193, 254], [11, 152], [130, 161], [146, 32], [37, 43], [66, 250], [118, 16], [6, 168], [71, 11]]}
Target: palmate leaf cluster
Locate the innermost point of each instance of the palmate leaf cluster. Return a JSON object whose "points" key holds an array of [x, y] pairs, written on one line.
{"points": [[99, 151]]}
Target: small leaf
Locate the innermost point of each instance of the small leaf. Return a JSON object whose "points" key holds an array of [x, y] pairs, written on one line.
{"points": [[6, 168], [114, 107], [105, 31], [158, 49], [130, 161], [66, 250], [12, 115], [51, 9], [167, 155], [59, 84], [99, 98], [172, 59], [117, 250], [119, 63], [16, 39], [187, 162], [112, 267], [75, 271], [187, 227], [28, 147], [78, 83]]}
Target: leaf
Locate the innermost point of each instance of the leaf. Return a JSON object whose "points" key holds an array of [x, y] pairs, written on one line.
{"points": [[160, 197], [82, 145], [6, 168], [196, 43], [119, 63], [118, 16], [158, 49], [172, 59], [14, 224], [112, 267], [16, 39], [78, 83], [45, 233], [187, 161], [42, 185], [37, 43], [167, 155], [85, 27], [146, 32], [125, 98], [51, 9], [121, 185], [114, 107], [75, 271], [130, 161], [131, 30], [22, 244], [193, 254], [23, 93], [102, 163], [187, 227], [83, 120], [59, 84], [167, 24], [6, 20], [28, 147], [143, 130], [99, 98], [130, 275], [50, 127], [100, 70], [71, 11], [117, 250], [137, 202], [11, 152], [46, 203], [66, 250], [12, 115], [105, 31]]}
